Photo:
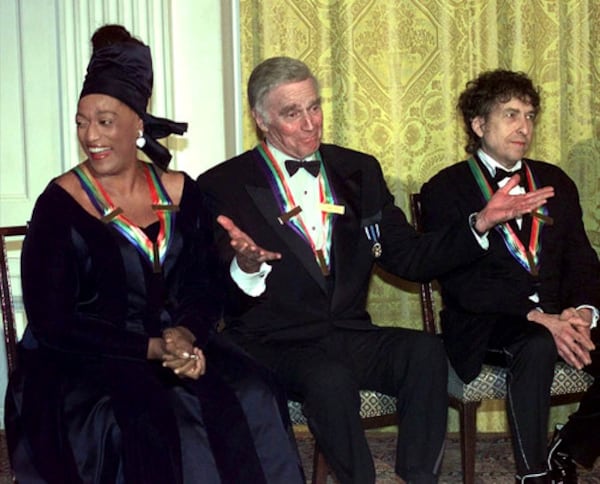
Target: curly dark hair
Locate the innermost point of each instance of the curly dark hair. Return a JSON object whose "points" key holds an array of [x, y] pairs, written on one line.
{"points": [[491, 87]]}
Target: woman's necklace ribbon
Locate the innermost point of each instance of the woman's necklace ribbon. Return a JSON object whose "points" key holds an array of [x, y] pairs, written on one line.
{"points": [[528, 257], [153, 252], [290, 211]]}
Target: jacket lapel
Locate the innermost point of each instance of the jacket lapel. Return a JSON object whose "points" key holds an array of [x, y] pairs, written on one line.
{"points": [[265, 202]]}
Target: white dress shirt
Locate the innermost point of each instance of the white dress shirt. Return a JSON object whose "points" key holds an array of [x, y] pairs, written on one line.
{"points": [[305, 190], [492, 165]]}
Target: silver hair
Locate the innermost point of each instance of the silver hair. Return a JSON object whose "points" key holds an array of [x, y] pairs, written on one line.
{"points": [[270, 74]]}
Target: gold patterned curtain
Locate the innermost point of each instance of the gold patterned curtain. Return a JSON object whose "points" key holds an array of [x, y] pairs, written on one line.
{"points": [[391, 72]]}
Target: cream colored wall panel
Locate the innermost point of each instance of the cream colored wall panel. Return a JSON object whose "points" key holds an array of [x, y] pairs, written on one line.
{"points": [[29, 123], [12, 144], [203, 87]]}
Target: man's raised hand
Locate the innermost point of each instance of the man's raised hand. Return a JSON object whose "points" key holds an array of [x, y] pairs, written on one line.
{"points": [[249, 255]]}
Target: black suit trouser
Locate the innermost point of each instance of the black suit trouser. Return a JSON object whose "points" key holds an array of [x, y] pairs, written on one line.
{"points": [[529, 353], [327, 374]]}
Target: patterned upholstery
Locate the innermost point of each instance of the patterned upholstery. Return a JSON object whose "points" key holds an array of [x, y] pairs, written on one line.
{"points": [[491, 383], [569, 380], [372, 404]]}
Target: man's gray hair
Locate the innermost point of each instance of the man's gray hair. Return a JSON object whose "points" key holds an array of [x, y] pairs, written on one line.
{"points": [[273, 72]]}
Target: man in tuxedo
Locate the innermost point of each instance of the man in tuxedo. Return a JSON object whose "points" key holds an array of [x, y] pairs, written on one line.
{"points": [[534, 296], [304, 222]]}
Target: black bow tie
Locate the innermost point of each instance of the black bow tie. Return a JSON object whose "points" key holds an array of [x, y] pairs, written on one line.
{"points": [[313, 167], [502, 174]]}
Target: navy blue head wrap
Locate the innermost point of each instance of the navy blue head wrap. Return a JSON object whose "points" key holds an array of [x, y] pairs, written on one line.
{"points": [[122, 69]]}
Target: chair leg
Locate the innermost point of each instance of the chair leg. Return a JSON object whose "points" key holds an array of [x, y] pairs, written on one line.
{"points": [[320, 468], [468, 436]]}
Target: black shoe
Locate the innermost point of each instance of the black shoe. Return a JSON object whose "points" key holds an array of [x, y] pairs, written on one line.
{"points": [[562, 468]]}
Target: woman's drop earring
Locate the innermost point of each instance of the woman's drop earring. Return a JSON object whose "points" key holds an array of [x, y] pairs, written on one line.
{"points": [[140, 141]]}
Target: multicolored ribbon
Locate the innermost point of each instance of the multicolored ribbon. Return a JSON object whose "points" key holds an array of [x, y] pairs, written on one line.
{"points": [[527, 257], [291, 212], [153, 252]]}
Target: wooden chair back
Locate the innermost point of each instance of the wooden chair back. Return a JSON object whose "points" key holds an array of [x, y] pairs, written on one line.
{"points": [[425, 289], [6, 296]]}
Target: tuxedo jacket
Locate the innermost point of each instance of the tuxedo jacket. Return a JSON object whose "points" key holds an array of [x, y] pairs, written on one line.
{"points": [[496, 287], [300, 303]]}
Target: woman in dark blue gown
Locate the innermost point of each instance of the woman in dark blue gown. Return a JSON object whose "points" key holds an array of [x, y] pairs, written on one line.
{"points": [[122, 374]]}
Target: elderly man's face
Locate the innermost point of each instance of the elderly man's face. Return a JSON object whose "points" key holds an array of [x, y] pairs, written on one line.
{"points": [[507, 132], [292, 120]]}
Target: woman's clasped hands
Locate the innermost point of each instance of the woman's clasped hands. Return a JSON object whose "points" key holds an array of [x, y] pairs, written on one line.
{"points": [[180, 355]]}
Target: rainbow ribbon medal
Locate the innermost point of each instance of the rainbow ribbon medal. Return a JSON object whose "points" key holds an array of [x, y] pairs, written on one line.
{"points": [[153, 252], [527, 257], [290, 210]]}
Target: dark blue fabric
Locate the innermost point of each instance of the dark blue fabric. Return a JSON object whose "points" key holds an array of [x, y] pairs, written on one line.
{"points": [[85, 405]]}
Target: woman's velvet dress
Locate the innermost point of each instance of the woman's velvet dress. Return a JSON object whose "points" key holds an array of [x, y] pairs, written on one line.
{"points": [[85, 404]]}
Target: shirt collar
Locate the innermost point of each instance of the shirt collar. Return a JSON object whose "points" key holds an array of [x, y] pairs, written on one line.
{"points": [[491, 165], [280, 156]]}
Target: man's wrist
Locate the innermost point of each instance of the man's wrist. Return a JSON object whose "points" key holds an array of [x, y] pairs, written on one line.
{"points": [[473, 223], [594, 312]]}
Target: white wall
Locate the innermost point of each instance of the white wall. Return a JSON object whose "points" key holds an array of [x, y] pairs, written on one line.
{"points": [[44, 50], [205, 78]]}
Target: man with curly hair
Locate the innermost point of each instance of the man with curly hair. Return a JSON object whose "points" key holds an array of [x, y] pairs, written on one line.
{"points": [[534, 297]]}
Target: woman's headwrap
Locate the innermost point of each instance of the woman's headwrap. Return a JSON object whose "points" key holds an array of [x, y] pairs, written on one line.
{"points": [[123, 70]]}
